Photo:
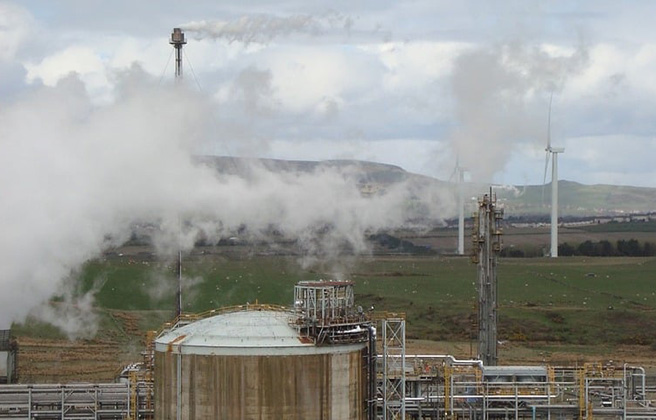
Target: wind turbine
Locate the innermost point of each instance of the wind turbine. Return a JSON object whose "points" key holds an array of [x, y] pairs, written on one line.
{"points": [[554, 184], [459, 174]]}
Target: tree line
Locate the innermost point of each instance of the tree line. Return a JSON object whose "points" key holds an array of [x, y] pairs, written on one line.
{"points": [[604, 248]]}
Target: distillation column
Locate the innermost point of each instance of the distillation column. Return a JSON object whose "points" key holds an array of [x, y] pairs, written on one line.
{"points": [[486, 247]]}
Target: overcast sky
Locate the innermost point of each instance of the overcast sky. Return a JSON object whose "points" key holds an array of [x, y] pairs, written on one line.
{"points": [[410, 83]]}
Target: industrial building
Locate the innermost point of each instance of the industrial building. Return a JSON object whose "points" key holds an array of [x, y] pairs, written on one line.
{"points": [[326, 358]]}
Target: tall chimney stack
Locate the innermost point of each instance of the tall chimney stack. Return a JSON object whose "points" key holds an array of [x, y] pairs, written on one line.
{"points": [[178, 40]]}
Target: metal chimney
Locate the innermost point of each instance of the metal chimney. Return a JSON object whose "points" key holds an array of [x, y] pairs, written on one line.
{"points": [[178, 40]]}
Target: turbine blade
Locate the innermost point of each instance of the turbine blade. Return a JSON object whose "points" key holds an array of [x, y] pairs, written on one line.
{"points": [[456, 169], [549, 124]]}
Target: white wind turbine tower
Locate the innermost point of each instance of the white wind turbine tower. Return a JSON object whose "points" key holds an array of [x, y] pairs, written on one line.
{"points": [[554, 184], [459, 173]]}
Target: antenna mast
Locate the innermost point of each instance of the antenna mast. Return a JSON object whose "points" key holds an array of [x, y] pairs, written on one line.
{"points": [[178, 41]]}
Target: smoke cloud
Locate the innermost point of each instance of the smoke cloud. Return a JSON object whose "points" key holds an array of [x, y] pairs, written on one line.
{"points": [[75, 176], [262, 29]]}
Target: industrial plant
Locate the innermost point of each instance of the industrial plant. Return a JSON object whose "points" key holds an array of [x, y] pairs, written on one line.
{"points": [[324, 357]]}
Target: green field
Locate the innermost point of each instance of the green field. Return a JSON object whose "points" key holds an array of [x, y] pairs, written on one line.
{"points": [[569, 300]]}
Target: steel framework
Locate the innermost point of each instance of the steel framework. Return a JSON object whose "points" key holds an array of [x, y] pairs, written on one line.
{"points": [[326, 313], [393, 384], [442, 387], [486, 247], [178, 41], [110, 401]]}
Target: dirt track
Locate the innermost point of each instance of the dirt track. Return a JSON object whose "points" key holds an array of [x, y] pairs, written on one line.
{"points": [[97, 360]]}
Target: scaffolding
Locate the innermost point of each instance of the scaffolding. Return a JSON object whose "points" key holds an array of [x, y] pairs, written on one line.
{"points": [[393, 387], [326, 313]]}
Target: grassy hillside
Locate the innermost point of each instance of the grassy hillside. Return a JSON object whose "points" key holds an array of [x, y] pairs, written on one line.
{"points": [[575, 199], [579, 200]]}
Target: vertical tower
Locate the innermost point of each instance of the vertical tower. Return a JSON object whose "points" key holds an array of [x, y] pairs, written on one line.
{"points": [[178, 296], [554, 199], [393, 391], [486, 247], [554, 184], [461, 211], [178, 40]]}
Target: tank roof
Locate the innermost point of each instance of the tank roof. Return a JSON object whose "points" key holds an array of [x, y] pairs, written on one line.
{"points": [[241, 333]]}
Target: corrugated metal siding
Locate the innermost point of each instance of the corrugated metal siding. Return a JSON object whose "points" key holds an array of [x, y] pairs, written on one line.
{"points": [[322, 387]]}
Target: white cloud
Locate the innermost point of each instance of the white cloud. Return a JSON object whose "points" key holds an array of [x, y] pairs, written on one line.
{"points": [[16, 25], [641, 69], [81, 60], [302, 78], [411, 66]]}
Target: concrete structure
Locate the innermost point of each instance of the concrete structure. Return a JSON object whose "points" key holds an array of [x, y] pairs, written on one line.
{"points": [[255, 363]]}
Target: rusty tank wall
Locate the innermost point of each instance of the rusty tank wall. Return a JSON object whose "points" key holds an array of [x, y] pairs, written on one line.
{"points": [[325, 386]]}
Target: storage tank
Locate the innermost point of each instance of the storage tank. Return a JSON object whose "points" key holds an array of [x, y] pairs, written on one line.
{"points": [[258, 364]]}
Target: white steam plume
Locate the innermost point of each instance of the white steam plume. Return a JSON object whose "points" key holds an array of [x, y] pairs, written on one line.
{"points": [[74, 177], [262, 29], [501, 96]]}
